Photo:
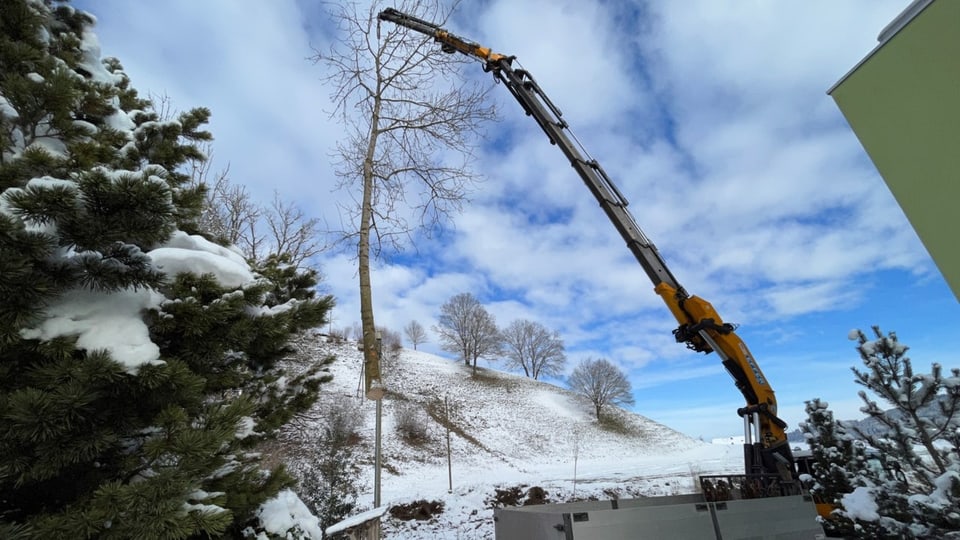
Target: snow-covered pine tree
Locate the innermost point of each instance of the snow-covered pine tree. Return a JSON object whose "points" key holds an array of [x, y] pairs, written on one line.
{"points": [[911, 486], [139, 362], [329, 479], [921, 434], [838, 459]]}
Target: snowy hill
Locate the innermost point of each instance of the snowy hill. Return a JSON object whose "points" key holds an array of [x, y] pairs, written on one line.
{"points": [[506, 431]]}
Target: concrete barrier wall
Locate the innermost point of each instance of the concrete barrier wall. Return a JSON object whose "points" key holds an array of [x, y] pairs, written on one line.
{"points": [[677, 518]]}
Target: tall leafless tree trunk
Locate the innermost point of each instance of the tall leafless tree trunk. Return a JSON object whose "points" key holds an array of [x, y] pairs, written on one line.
{"points": [[410, 123]]}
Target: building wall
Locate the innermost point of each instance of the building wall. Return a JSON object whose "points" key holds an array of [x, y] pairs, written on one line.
{"points": [[903, 103]]}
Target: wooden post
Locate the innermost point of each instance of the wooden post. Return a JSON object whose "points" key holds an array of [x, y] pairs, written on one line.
{"points": [[576, 454], [375, 530], [446, 414]]}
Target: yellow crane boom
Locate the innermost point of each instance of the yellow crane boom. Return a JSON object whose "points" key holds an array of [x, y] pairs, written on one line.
{"points": [[701, 328]]}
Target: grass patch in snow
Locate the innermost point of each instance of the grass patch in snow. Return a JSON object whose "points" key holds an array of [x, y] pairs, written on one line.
{"points": [[487, 377], [436, 411], [615, 423]]}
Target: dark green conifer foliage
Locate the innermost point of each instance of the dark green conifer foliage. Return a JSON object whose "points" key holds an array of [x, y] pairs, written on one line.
{"points": [[91, 180], [837, 461]]}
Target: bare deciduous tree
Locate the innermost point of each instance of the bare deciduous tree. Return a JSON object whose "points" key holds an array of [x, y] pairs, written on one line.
{"points": [[467, 329], [231, 215], [410, 123], [602, 383], [258, 230], [416, 334], [291, 232], [484, 338], [229, 212], [356, 331], [529, 346], [391, 343], [390, 339]]}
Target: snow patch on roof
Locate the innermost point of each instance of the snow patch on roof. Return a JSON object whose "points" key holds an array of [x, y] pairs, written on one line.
{"points": [[358, 519]]}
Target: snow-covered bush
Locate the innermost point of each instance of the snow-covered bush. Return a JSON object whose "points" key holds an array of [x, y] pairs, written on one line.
{"points": [[285, 517]]}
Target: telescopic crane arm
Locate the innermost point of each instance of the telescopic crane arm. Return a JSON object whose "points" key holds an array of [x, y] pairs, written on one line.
{"points": [[700, 327]]}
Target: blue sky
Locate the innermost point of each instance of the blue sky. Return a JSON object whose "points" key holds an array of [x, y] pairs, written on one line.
{"points": [[711, 117]]}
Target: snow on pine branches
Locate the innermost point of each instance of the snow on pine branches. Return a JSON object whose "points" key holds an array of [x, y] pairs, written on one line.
{"points": [[903, 480]]}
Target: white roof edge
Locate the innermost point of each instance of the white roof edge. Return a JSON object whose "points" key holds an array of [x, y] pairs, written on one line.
{"points": [[890, 30], [359, 519], [902, 19]]}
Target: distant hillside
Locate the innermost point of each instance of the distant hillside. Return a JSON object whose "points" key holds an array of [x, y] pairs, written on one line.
{"points": [[494, 415], [505, 430]]}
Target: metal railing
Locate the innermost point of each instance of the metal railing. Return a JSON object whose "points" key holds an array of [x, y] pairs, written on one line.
{"points": [[730, 487]]}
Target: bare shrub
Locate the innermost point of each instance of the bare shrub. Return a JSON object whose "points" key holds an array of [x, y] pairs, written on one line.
{"points": [[391, 345], [341, 421], [330, 480], [357, 332], [328, 468], [337, 335], [388, 364], [391, 339], [411, 423], [421, 510]]}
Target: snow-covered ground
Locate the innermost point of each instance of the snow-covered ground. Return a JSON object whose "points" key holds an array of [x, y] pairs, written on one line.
{"points": [[507, 431]]}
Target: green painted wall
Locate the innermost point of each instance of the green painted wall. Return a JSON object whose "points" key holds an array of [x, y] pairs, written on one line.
{"points": [[903, 103]]}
